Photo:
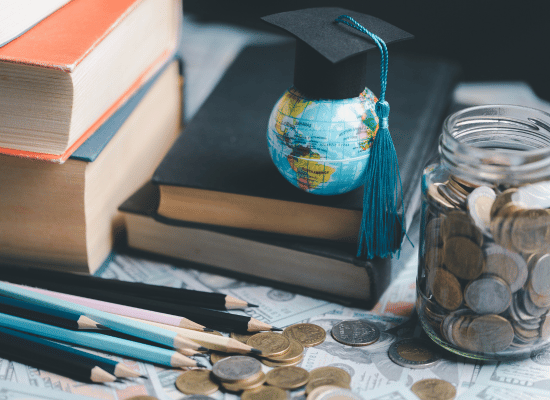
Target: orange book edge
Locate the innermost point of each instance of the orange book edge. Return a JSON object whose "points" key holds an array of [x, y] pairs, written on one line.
{"points": [[61, 158]]}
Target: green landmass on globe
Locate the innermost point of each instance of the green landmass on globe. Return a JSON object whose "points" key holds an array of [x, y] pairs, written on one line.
{"points": [[322, 146]]}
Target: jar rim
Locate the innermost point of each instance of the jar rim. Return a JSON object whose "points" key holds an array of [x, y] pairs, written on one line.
{"points": [[481, 124]]}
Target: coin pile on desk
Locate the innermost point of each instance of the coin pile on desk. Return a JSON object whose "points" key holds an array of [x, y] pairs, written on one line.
{"points": [[485, 265]]}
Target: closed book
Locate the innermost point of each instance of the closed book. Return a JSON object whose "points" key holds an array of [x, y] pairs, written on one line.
{"points": [[69, 73], [220, 173], [323, 269], [65, 216]]}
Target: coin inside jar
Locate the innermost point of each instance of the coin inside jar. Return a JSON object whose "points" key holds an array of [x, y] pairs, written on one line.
{"points": [[489, 333], [287, 377], [271, 344], [355, 332], [196, 382], [540, 274], [488, 294], [309, 335], [530, 230], [463, 257], [479, 204], [446, 289], [506, 264]]}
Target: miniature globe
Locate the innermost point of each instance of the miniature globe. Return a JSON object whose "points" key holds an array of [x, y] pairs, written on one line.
{"points": [[322, 146]]}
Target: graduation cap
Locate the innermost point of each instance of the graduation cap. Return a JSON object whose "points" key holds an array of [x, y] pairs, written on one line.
{"points": [[331, 61], [331, 57]]}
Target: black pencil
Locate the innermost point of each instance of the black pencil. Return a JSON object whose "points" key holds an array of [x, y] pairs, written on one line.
{"points": [[217, 301], [34, 312], [219, 320], [39, 353]]}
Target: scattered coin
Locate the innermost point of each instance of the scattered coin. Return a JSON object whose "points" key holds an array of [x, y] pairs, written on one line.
{"points": [[215, 356], [265, 393], [277, 364], [488, 294], [287, 377], [434, 389], [330, 372], [236, 368], [241, 337], [271, 344], [309, 335], [320, 382], [316, 393], [196, 382], [355, 332], [295, 353], [413, 353], [245, 384]]}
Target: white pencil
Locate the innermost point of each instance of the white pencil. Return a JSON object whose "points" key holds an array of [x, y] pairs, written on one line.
{"points": [[112, 321]]}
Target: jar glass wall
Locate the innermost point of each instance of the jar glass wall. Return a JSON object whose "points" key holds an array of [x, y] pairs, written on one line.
{"points": [[484, 258]]}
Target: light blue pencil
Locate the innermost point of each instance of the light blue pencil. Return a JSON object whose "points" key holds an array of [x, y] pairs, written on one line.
{"points": [[98, 341], [112, 321]]}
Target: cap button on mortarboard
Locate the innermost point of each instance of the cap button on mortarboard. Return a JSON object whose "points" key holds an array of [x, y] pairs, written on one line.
{"points": [[330, 74]]}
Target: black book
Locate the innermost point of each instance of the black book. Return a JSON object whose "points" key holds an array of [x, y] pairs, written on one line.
{"points": [[219, 200]]}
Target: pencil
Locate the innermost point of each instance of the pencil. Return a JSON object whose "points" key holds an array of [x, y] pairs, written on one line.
{"points": [[219, 320], [62, 352], [210, 341], [98, 341], [38, 277], [115, 322], [43, 314], [38, 354], [120, 309]]}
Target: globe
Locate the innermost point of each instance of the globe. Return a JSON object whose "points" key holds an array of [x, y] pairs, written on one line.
{"points": [[322, 146]]}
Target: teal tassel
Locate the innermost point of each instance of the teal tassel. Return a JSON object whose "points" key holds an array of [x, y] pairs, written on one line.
{"points": [[382, 228]]}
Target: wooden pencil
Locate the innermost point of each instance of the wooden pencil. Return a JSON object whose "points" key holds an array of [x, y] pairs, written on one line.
{"points": [[115, 322], [43, 314], [40, 355], [127, 311], [41, 278], [219, 320], [98, 341]]}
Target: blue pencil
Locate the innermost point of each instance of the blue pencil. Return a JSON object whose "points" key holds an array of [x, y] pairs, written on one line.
{"points": [[97, 341], [112, 321], [62, 352]]}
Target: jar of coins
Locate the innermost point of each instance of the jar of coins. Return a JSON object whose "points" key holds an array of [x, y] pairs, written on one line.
{"points": [[484, 257]]}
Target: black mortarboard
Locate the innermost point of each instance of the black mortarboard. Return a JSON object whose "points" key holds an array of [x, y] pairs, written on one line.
{"points": [[331, 58]]}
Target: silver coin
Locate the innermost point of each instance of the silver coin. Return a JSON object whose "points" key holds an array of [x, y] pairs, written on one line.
{"points": [[355, 332], [530, 308], [450, 196], [479, 204], [413, 353], [518, 314], [506, 264], [236, 368], [338, 394], [488, 295], [540, 275]]}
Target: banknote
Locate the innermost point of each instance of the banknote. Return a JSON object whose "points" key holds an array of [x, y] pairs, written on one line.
{"points": [[14, 391], [483, 392]]}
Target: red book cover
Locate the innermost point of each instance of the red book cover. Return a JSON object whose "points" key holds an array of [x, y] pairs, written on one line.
{"points": [[62, 40]]}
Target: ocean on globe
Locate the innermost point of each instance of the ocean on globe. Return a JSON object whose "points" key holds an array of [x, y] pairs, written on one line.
{"points": [[322, 146]]}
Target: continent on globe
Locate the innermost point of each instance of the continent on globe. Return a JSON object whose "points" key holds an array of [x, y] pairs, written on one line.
{"points": [[322, 146], [310, 174]]}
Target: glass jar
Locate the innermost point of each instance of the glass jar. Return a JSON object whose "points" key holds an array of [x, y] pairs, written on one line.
{"points": [[483, 286]]}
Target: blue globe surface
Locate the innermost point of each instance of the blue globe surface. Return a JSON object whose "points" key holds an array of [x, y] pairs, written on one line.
{"points": [[322, 146]]}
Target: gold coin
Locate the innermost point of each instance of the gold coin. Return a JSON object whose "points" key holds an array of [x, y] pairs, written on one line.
{"points": [[433, 234], [308, 335], [434, 389], [215, 356], [436, 198], [271, 344], [318, 382], [197, 381], [317, 392], [295, 352], [447, 290], [466, 185], [449, 195], [287, 377], [433, 257], [330, 372], [247, 384], [276, 364], [489, 334], [530, 230], [501, 200], [463, 257], [459, 223], [265, 393], [241, 337]]}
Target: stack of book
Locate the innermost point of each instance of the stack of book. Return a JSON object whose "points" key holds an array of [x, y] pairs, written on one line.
{"points": [[218, 201], [90, 101]]}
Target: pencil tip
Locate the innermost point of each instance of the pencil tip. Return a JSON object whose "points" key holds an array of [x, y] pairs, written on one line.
{"points": [[202, 348], [276, 329], [201, 365], [208, 330], [255, 351], [144, 376], [200, 355], [252, 305]]}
